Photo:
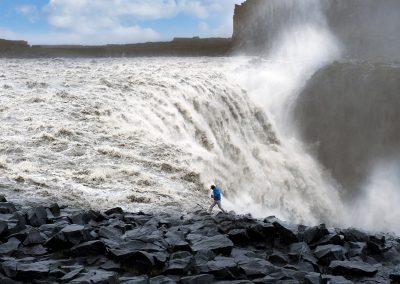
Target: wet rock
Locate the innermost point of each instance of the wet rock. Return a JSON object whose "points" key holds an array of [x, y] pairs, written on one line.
{"points": [[34, 237], [314, 234], [354, 235], [3, 198], [134, 280], [3, 228], [54, 209], [261, 231], [88, 248], [7, 208], [287, 234], [197, 279], [222, 268], [141, 261], [332, 238], [328, 253], [357, 249], [335, 279], [35, 270], [352, 268], [37, 216], [35, 250], [238, 236], [312, 278], [75, 234], [180, 263], [97, 276], [71, 275], [10, 246], [218, 244], [161, 280], [116, 210], [255, 267], [278, 257]]}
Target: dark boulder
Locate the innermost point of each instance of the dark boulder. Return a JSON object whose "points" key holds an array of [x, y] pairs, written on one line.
{"points": [[312, 278], [3, 198], [34, 270], [10, 246], [278, 257], [97, 276], [352, 268], [218, 244], [198, 279], [256, 267], [180, 263], [34, 237], [286, 233], [95, 247], [37, 216], [161, 280], [354, 235], [239, 236], [54, 209], [261, 231], [71, 275], [222, 268], [330, 279], [357, 249], [116, 210], [134, 280], [75, 234], [328, 253], [7, 208], [140, 261], [314, 234]]}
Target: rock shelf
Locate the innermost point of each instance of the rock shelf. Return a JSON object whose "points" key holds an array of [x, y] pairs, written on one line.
{"points": [[53, 244]]}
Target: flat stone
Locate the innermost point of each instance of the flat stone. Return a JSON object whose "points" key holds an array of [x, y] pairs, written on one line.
{"points": [[88, 248], [287, 234], [97, 276], [35, 270], [198, 279], [7, 208], [34, 237], [37, 216], [328, 253], [162, 280], [312, 278], [116, 210], [218, 244], [352, 268], [134, 280], [10, 246], [255, 267]]}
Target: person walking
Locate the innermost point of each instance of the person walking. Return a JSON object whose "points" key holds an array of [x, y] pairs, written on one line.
{"points": [[216, 196]]}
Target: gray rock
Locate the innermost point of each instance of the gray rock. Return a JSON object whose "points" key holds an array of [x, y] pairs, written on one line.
{"points": [[71, 275], [180, 263], [218, 244], [314, 234], [162, 280], [328, 253], [286, 233], [97, 276], [335, 279], [88, 248], [34, 237], [255, 267], [10, 246], [239, 236], [312, 278], [37, 216], [197, 279], [352, 268], [7, 208], [134, 280]]}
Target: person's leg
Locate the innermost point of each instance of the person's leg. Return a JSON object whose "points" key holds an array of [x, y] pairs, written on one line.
{"points": [[220, 206], [212, 206]]}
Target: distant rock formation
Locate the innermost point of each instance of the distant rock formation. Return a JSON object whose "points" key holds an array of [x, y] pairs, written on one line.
{"points": [[177, 47], [367, 29]]}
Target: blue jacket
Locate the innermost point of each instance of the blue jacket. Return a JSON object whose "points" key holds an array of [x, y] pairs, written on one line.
{"points": [[217, 194]]}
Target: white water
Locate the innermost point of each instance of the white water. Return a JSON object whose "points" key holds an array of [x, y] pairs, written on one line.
{"points": [[97, 133]]}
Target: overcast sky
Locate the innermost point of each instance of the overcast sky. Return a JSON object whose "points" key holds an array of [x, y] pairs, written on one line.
{"points": [[113, 21]]}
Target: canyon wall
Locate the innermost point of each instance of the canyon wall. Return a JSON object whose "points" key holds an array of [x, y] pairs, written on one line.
{"points": [[366, 29]]}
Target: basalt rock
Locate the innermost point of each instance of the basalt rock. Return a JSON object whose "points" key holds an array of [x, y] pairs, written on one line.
{"points": [[67, 245]]}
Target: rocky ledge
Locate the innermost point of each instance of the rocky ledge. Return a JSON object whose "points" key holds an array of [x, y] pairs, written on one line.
{"points": [[49, 244]]}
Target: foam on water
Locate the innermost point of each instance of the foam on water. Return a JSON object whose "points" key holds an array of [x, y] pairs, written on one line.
{"points": [[156, 131]]}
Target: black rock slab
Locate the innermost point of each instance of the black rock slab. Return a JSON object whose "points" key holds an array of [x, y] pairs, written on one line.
{"points": [[96, 276], [198, 279], [95, 247], [352, 268], [218, 244]]}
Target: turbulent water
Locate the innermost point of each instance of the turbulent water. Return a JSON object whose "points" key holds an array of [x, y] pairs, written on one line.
{"points": [[148, 133], [133, 132]]}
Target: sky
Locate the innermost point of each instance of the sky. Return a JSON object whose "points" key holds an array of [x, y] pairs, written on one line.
{"points": [[113, 21]]}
